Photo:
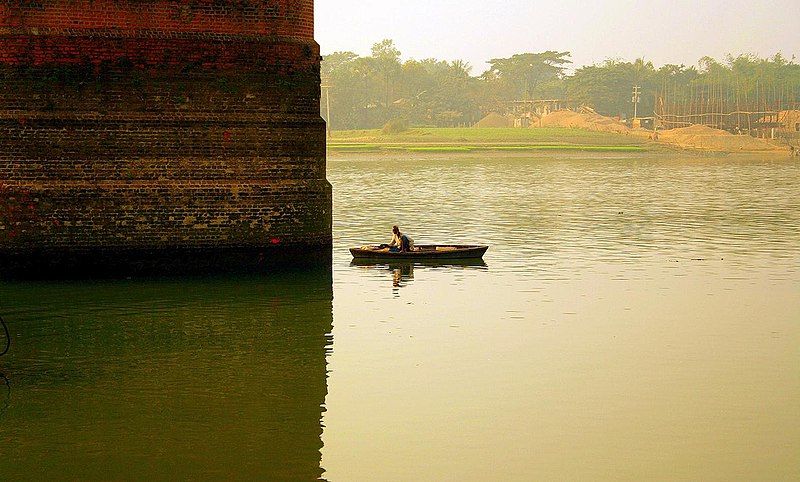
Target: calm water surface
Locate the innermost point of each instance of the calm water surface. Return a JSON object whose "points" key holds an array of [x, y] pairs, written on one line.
{"points": [[636, 318]]}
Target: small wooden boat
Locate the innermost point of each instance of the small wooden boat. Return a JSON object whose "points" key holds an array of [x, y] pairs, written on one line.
{"points": [[418, 263], [422, 252]]}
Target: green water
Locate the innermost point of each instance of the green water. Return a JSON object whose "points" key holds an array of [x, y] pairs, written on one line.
{"points": [[635, 318], [168, 380]]}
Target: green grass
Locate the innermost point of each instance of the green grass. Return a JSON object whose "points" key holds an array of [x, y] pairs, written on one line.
{"points": [[354, 147], [466, 140], [431, 136], [475, 148]]}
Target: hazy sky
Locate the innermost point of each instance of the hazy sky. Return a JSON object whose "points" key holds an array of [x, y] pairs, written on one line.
{"points": [[665, 32]]}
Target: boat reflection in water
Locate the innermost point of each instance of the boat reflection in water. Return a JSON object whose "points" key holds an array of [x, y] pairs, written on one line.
{"points": [[402, 272], [188, 379]]}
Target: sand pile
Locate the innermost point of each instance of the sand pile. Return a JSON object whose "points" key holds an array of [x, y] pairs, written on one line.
{"points": [[708, 138], [494, 120], [592, 122]]}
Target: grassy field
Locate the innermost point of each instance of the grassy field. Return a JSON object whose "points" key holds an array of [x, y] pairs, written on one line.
{"points": [[476, 139]]}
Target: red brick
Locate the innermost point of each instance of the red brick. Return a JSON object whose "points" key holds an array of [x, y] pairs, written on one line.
{"points": [[154, 128]]}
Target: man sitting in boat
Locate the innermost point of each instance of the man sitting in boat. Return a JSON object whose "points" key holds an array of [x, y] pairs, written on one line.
{"points": [[400, 242]]}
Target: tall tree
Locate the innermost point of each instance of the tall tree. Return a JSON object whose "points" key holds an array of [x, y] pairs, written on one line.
{"points": [[387, 60], [608, 88], [526, 73]]}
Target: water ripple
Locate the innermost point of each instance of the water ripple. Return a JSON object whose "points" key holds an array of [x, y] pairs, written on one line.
{"points": [[594, 208]]}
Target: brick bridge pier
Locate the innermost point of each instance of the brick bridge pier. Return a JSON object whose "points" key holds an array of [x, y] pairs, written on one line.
{"points": [[160, 137]]}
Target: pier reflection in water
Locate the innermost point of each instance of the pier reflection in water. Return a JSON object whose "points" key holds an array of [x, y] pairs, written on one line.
{"points": [[177, 379]]}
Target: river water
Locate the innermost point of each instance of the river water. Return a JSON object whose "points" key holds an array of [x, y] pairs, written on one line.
{"points": [[635, 318]]}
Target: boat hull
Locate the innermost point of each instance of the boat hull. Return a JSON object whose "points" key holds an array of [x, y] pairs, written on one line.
{"points": [[422, 252]]}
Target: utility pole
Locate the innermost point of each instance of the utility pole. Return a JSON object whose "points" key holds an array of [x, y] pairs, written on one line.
{"points": [[637, 93]]}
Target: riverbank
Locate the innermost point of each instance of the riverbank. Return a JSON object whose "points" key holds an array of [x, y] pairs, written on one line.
{"points": [[697, 137], [455, 140], [561, 139]]}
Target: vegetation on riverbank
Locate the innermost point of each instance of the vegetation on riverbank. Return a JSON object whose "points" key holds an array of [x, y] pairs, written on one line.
{"points": [[434, 139], [548, 139], [369, 92]]}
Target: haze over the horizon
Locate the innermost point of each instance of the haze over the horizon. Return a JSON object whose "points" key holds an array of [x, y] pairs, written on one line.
{"points": [[678, 32]]}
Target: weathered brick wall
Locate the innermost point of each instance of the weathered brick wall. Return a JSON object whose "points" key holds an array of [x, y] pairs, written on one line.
{"points": [[148, 129]]}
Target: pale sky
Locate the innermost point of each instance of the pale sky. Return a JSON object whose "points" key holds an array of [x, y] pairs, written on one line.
{"points": [[665, 32]]}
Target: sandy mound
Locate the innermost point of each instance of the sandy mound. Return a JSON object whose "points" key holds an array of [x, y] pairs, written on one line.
{"points": [[494, 120], [708, 138], [593, 122]]}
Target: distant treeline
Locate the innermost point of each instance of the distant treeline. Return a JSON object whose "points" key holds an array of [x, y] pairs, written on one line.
{"points": [[380, 90]]}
